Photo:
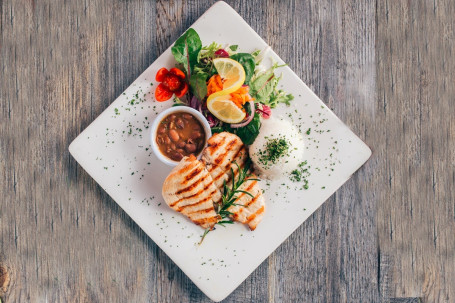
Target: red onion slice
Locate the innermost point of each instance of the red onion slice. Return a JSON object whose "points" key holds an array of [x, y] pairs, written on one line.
{"points": [[248, 120]]}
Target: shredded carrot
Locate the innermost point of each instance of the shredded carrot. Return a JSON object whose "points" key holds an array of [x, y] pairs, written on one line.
{"points": [[241, 96], [214, 85]]}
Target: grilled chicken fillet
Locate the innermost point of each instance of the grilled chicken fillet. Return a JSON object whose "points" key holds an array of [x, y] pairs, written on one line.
{"points": [[226, 151], [249, 209], [190, 190]]}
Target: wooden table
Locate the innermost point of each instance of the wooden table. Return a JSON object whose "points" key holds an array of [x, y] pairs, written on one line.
{"points": [[386, 68]]}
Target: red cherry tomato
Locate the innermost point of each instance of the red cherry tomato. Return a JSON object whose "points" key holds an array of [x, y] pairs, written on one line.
{"points": [[162, 93]]}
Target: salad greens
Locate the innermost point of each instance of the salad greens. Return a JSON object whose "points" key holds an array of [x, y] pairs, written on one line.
{"points": [[198, 85], [247, 133], [197, 62], [204, 59], [248, 63], [186, 50], [264, 88]]}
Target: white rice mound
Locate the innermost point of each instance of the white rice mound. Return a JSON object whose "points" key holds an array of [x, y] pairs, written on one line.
{"points": [[274, 128]]}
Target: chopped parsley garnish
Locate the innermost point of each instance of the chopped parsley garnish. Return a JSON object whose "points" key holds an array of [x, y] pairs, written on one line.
{"points": [[301, 174], [274, 150]]}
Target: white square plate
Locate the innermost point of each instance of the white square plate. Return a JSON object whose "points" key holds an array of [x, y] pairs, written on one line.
{"points": [[115, 151]]}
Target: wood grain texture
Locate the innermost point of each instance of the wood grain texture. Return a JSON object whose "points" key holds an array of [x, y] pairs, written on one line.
{"points": [[386, 68], [415, 113]]}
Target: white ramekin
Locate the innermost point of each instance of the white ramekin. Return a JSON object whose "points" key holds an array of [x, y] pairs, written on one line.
{"points": [[165, 113]]}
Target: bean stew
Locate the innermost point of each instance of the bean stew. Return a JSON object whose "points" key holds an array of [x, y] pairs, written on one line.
{"points": [[180, 134]]}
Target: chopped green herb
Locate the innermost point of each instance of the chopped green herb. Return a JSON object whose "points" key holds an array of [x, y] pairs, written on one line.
{"points": [[301, 174], [275, 149]]}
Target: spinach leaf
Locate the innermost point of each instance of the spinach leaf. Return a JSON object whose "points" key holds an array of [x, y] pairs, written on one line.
{"points": [[247, 61], [186, 50], [198, 85], [249, 133]]}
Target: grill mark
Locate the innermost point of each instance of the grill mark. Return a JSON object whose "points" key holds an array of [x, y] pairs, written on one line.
{"points": [[212, 167], [237, 156], [252, 200], [226, 171], [202, 201], [240, 211], [238, 152], [258, 212], [196, 194], [248, 189], [188, 167], [227, 148], [205, 211], [181, 208], [236, 172], [193, 173], [214, 146], [192, 186]]}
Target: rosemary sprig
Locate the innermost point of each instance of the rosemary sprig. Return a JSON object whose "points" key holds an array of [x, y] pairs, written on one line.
{"points": [[229, 195]]}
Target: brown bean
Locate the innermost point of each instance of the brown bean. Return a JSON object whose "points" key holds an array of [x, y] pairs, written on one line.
{"points": [[167, 140], [172, 117], [180, 123], [190, 148], [160, 140], [187, 116], [161, 129], [176, 156], [181, 144], [180, 151], [174, 135], [173, 147], [196, 134]]}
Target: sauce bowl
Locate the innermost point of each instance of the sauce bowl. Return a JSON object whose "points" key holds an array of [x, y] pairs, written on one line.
{"points": [[176, 109]]}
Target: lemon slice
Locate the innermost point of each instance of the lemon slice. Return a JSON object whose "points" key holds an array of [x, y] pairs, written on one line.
{"points": [[225, 110], [231, 72]]}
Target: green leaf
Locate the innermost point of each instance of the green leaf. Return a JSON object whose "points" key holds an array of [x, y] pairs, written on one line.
{"points": [[217, 129], [263, 88], [198, 85], [279, 96], [233, 47], [249, 133], [256, 53], [247, 61], [186, 50], [264, 93]]}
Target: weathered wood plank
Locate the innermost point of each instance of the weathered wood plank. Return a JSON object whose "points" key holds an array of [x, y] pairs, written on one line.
{"points": [[416, 217], [330, 45]]}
